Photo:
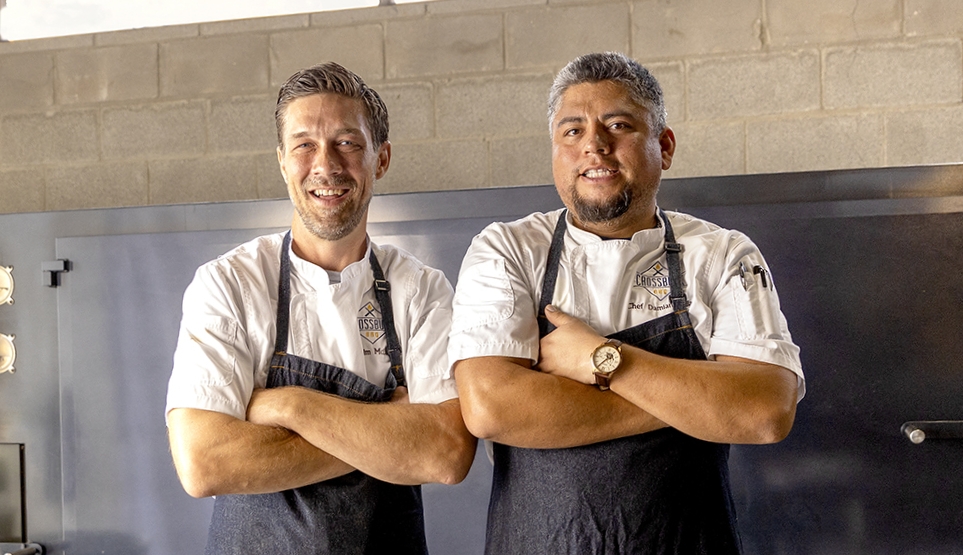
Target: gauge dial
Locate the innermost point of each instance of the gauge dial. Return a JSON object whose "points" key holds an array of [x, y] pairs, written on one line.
{"points": [[6, 284], [8, 353]]}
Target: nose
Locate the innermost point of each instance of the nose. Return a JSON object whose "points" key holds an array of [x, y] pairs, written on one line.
{"points": [[327, 162], [597, 141]]}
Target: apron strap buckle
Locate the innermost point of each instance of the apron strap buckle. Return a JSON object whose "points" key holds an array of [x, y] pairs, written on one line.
{"points": [[398, 371], [382, 285]]}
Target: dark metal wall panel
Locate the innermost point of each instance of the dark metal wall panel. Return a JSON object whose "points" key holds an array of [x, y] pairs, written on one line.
{"points": [[866, 264], [876, 306]]}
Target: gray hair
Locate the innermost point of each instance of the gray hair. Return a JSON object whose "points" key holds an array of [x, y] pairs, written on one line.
{"points": [[334, 78], [611, 66]]}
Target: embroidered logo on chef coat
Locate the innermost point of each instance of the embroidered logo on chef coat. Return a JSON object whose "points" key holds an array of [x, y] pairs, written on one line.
{"points": [[655, 280], [370, 324]]}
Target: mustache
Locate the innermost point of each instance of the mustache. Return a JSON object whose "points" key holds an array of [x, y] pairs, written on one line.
{"points": [[336, 182]]}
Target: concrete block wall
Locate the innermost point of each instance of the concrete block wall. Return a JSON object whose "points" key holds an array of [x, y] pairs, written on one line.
{"points": [[184, 113]]}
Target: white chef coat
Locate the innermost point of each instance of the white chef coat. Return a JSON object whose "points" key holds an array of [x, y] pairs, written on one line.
{"points": [[227, 332], [616, 284]]}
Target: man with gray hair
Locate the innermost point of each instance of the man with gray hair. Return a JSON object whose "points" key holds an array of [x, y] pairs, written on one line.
{"points": [[311, 391], [611, 351]]}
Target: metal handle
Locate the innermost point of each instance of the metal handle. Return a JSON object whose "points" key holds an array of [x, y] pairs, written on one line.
{"points": [[920, 430], [21, 549]]}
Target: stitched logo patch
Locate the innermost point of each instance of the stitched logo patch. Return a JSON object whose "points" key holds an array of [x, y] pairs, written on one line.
{"points": [[655, 280], [370, 324]]}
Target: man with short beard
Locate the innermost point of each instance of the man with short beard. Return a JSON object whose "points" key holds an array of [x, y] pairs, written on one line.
{"points": [[311, 392], [611, 351]]}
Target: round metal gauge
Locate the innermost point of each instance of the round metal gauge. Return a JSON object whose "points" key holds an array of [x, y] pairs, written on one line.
{"points": [[8, 353], [6, 284]]}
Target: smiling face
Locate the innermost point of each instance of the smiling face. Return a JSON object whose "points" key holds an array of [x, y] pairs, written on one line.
{"points": [[330, 163], [607, 160]]}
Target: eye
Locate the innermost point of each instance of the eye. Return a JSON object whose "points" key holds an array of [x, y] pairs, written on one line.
{"points": [[348, 145], [300, 146], [571, 132]]}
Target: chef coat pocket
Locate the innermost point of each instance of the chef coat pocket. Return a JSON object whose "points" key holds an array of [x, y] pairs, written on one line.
{"points": [[484, 296], [209, 346], [755, 306]]}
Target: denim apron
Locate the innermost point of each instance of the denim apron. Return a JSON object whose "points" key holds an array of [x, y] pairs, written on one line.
{"points": [[351, 514], [661, 492]]}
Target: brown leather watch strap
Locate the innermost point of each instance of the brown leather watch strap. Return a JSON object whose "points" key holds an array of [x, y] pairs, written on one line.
{"points": [[603, 380]]}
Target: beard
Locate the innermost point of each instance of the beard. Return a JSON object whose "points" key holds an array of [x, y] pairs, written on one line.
{"points": [[335, 223], [601, 211]]}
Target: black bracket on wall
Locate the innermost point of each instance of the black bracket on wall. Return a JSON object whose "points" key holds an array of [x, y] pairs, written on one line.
{"points": [[52, 271]]}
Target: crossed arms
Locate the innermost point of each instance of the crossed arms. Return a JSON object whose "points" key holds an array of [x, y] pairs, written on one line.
{"points": [[728, 400], [295, 436]]}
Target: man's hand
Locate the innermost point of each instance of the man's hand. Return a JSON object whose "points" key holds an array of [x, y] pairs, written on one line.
{"points": [[265, 407], [567, 351], [400, 395]]}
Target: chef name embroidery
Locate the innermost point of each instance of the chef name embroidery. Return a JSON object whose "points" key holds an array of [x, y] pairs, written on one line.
{"points": [[655, 280], [370, 326]]}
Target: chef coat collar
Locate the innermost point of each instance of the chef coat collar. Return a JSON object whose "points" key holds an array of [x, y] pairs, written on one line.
{"points": [[317, 277], [644, 238]]}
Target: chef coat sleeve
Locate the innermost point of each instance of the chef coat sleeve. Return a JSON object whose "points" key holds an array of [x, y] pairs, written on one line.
{"points": [[426, 358], [213, 366], [747, 319], [494, 307]]}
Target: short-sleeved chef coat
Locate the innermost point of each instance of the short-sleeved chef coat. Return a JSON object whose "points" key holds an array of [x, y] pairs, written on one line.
{"points": [[616, 284], [227, 331]]}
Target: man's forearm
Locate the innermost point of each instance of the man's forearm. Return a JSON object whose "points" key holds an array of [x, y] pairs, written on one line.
{"points": [[217, 454], [401, 443], [729, 400], [505, 401]]}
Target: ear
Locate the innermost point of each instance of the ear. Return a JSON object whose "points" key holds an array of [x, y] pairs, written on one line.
{"points": [[284, 174], [384, 159], [667, 143]]}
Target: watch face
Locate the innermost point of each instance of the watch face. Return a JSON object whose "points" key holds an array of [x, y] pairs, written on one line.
{"points": [[606, 358]]}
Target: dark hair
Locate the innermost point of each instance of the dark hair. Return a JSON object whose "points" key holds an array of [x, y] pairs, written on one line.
{"points": [[331, 77], [611, 66]]}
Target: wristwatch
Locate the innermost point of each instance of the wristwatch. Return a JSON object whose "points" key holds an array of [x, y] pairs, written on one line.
{"points": [[606, 358]]}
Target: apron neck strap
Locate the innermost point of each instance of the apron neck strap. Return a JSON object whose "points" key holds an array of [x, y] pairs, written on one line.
{"points": [[381, 290], [284, 298], [673, 259], [551, 274], [673, 252]]}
